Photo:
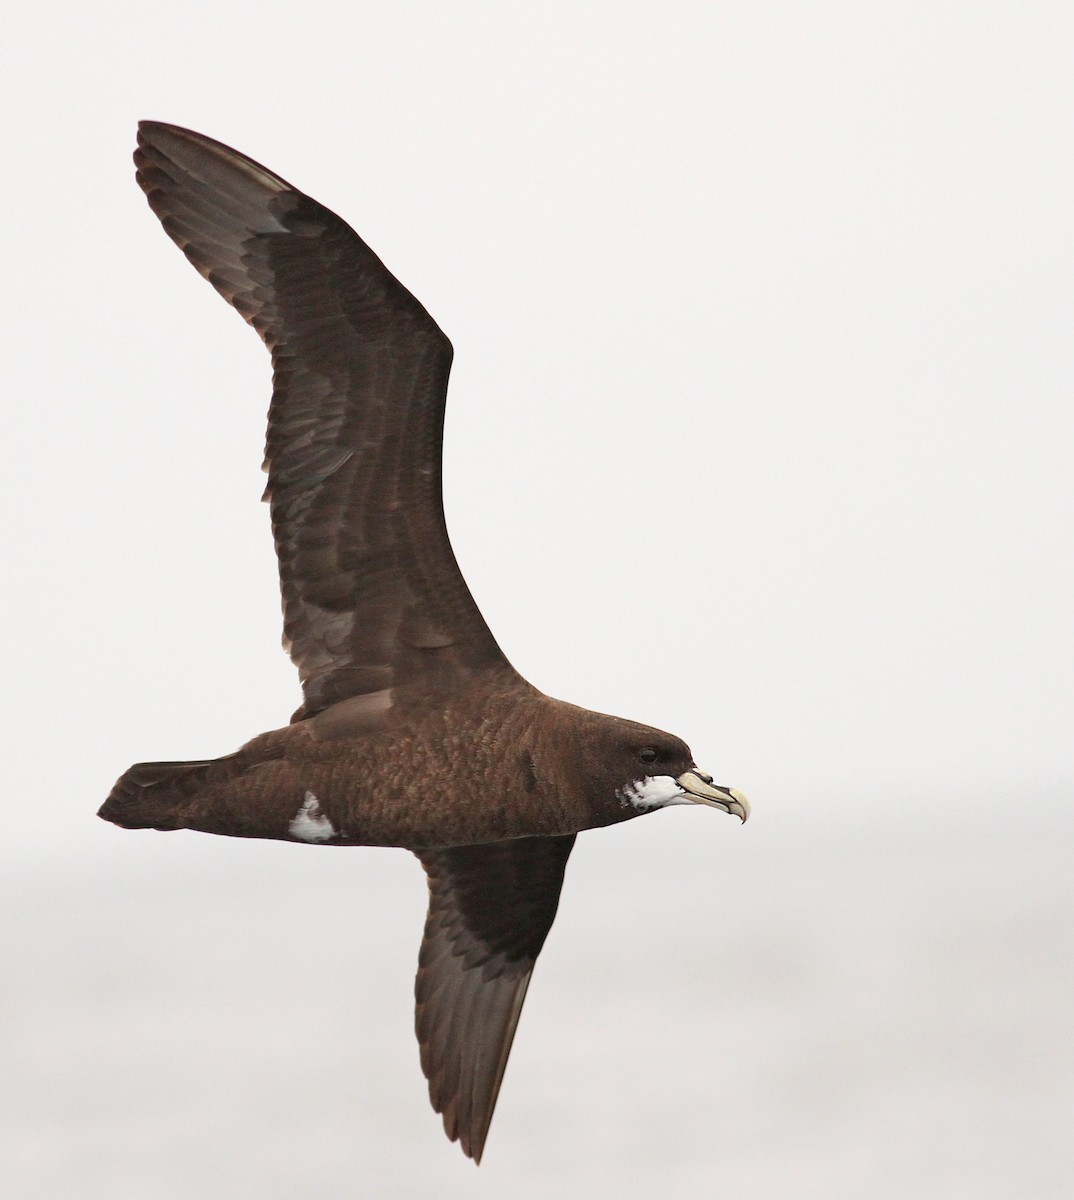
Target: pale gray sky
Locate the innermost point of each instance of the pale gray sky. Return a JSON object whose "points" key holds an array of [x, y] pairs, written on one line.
{"points": [[760, 427]]}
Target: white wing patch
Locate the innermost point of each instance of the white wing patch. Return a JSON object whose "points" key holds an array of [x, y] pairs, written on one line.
{"points": [[654, 791], [310, 824]]}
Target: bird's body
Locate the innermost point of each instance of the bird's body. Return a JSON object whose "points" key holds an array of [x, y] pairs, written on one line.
{"points": [[414, 730], [439, 778]]}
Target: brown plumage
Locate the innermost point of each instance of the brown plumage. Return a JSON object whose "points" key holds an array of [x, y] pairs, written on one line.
{"points": [[414, 729]]}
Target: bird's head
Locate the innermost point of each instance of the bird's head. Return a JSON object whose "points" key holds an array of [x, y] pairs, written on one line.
{"points": [[633, 769]]}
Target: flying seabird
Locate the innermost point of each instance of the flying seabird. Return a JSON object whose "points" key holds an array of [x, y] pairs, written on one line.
{"points": [[414, 729]]}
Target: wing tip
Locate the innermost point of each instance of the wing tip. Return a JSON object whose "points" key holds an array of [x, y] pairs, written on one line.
{"points": [[471, 1139], [185, 147]]}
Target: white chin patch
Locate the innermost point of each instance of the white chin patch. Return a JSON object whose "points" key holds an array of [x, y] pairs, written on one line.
{"points": [[310, 824], [654, 791]]}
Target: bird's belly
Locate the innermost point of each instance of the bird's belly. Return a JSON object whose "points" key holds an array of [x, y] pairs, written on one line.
{"points": [[352, 806]]}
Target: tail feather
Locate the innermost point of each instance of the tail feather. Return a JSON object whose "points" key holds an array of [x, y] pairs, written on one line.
{"points": [[155, 795]]}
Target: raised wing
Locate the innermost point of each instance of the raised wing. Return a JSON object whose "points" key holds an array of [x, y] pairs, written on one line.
{"points": [[372, 596], [490, 909]]}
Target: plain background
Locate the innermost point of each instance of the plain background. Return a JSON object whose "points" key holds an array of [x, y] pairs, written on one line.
{"points": [[759, 430]]}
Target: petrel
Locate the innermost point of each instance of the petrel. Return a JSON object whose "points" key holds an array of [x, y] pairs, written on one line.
{"points": [[414, 729]]}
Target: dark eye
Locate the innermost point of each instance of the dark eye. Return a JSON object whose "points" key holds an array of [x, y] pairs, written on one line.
{"points": [[648, 755]]}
